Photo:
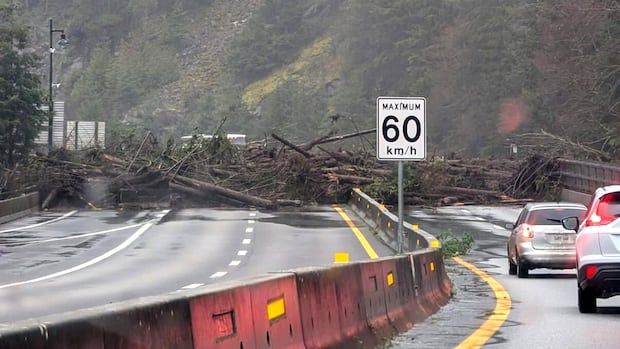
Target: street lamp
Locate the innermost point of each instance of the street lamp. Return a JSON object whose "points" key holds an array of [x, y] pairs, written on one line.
{"points": [[62, 43]]}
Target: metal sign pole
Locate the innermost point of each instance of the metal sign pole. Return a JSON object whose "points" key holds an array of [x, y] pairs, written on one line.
{"points": [[400, 207]]}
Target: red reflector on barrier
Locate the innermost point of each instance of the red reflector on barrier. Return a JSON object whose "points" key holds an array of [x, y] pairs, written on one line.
{"points": [[225, 324]]}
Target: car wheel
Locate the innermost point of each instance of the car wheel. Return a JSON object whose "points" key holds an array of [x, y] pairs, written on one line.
{"points": [[512, 268], [522, 270], [586, 301]]}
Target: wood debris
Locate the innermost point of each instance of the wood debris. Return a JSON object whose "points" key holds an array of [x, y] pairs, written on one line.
{"points": [[273, 172]]}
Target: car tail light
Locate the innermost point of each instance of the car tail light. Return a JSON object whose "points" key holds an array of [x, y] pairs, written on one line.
{"points": [[597, 220], [601, 216], [527, 231], [590, 271]]}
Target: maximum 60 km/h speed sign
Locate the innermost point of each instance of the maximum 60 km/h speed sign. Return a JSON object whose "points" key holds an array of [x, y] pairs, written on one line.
{"points": [[401, 128]]}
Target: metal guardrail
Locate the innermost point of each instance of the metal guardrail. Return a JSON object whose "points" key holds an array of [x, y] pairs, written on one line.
{"points": [[585, 177]]}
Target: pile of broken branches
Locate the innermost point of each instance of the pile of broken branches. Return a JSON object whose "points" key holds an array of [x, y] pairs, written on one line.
{"points": [[269, 173], [275, 172]]}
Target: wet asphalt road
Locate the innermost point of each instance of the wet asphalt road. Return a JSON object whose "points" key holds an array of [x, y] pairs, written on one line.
{"points": [[95, 258], [544, 307]]}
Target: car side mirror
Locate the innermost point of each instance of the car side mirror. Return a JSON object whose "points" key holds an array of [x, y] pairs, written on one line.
{"points": [[509, 226], [571, 223]]}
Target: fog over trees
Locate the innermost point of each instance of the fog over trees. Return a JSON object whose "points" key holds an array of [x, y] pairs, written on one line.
{"points": [[490, 69]]}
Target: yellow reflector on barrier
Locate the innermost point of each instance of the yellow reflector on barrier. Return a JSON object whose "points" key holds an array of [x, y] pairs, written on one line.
{"points": [[341, 257], [435, 243], [390, 279], [382, 206], [389, 225], [276, 308], [432, 266], [357, 190], [415, 226]]}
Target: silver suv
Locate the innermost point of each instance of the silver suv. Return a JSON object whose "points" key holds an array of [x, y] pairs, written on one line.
{"points": [[598, 248], [538, 239]]}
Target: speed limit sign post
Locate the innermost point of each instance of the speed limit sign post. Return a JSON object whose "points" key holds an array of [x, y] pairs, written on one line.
{"points": [[401, 136]]}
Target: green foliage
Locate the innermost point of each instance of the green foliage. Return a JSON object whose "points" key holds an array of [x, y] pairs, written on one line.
{"points": [[111, 85], [20, 93], [578, 85], [292, 111], [452, 245], [386, 190], [275, 34]]}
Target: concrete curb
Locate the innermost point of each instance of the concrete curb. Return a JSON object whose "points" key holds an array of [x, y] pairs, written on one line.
{"points": [[15, 208]]}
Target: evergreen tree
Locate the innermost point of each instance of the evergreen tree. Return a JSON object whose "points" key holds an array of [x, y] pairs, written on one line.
{"points": [[20, 89]]}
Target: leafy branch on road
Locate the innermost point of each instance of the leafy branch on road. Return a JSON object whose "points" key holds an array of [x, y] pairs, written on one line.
{"points": [[452, 245]]}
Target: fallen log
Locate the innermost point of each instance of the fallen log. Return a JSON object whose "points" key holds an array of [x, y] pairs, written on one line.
{"points": [[291, 145], [229, 193], [49, 198], [338, 138], [128, 179], [114, 160], [337, 156], [340, 178], [203, 195], [468, 191]]}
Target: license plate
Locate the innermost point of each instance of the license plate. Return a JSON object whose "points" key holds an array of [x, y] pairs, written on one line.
{"points": [[562, 239]]}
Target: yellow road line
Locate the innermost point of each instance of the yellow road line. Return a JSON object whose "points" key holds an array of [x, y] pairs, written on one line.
{"points": [[365, 244], [497, 318]]}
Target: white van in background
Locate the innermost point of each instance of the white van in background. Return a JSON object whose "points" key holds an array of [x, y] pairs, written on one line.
{"points": [[234, 138]]}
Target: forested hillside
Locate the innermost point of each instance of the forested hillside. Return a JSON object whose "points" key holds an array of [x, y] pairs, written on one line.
{"points": [[491, 69]]}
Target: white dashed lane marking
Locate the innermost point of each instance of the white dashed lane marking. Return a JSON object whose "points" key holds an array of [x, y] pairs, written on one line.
{"points": [[249, 230], [252, 214], [246, 241], [219, 274], [234, 263], [242, 253], [191, 286]]}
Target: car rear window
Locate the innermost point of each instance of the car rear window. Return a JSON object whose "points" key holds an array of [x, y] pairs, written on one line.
{"points": [[609, 205], [553, 216]]}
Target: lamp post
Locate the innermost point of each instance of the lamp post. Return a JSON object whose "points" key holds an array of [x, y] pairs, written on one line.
{"points": [[62, 42]]}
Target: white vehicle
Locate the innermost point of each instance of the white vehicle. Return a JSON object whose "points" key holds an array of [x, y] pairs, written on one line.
{"points": [[598, 248], [234, 138]]}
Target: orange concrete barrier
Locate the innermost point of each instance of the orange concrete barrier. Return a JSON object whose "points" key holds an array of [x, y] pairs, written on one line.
{"points": [[222, 319], [354, 326], [373, 286], [318, 304], [275, 311], [401, 299], [158, 323]]}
